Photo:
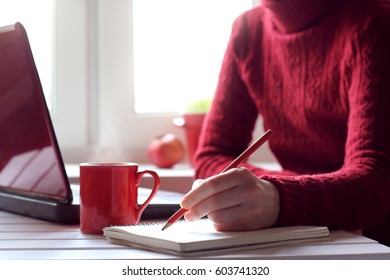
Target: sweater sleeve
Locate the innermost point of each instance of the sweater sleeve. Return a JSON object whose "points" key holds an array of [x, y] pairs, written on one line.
{"points": [[358, 194], [228, 127], [353, 197]]}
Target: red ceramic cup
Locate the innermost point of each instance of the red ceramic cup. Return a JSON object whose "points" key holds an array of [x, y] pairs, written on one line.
{"points": [[109, 195]]}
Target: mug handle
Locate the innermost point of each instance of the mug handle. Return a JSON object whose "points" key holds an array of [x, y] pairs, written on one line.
{"points": [[139, 175]]}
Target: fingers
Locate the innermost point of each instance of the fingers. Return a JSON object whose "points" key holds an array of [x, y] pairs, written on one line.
{"points": [[259, 212], [219, 192], [234, 218], [225, 199], [206, 188], [234, 200]]}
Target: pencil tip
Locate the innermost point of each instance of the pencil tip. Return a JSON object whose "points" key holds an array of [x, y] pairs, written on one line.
{"points": [[167, 225]]}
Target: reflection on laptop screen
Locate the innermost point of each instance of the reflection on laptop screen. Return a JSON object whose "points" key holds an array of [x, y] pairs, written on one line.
{"points": [[29, 157]]}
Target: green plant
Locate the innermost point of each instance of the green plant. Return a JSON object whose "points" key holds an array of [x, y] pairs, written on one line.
{"points": [[200, 106]]}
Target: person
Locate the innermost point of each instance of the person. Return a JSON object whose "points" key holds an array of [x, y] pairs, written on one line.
{"points": [[318, 73]]}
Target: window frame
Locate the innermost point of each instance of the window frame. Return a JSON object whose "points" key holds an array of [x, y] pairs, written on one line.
{"points": [[93, 112]]}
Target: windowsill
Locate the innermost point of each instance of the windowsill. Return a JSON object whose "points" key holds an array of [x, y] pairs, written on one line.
{"points": [[178, 178]]}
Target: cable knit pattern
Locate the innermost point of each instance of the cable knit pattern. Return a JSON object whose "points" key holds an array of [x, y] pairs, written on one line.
{"points": [[322, 83]]}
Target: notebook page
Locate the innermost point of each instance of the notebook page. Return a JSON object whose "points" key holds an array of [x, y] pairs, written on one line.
{"points": [[201, 235]]}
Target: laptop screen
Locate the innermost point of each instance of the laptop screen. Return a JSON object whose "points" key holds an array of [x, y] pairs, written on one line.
{"points": [[30, 163]]}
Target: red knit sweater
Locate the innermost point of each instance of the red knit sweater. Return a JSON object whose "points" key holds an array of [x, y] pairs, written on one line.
{"points": [[318, 72]]}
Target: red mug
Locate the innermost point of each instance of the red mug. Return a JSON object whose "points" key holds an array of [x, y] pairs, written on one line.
{"points": [[109, 195]]}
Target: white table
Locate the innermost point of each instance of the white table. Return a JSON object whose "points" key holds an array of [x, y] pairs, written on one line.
{"points": [[23, 238]]}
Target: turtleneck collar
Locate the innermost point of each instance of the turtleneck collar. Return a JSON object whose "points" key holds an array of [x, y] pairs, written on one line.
{"points": [[295, 15]]}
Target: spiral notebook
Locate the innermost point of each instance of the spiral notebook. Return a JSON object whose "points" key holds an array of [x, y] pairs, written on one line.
{"points": [[200, 238]]}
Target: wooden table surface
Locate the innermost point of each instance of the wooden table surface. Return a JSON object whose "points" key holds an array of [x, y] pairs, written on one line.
{"points": [[23, 238]]}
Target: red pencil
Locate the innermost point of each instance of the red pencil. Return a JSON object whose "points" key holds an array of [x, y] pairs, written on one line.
{"points": [[235, 163]]}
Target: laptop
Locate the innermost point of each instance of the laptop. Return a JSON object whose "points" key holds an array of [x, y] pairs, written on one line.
{"points": [[33, 179]]}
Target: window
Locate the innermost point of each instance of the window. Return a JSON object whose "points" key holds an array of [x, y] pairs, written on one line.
{"points": [[91, 65], [39, 30], [179, 45], [121, 132], [57, 32]]}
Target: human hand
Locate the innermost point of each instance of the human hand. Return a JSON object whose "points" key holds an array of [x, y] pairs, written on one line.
{"points": [[233, 200]]}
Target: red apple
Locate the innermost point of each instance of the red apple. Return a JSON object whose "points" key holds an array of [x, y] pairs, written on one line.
{"points": [[166, 150]]}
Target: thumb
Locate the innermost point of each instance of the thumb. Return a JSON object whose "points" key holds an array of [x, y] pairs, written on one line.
{"points": [[196, 183]]}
